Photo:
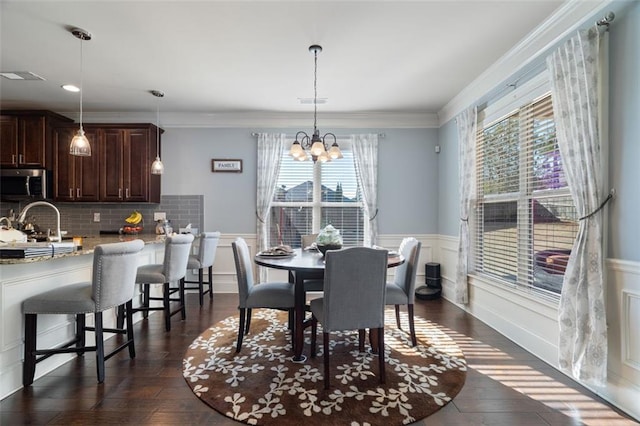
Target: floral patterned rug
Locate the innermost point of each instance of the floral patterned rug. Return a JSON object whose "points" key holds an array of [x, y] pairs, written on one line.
{"points": [[262, 386]]}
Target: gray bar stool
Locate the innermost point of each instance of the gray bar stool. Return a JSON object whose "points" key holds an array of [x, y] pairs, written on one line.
{"points": [[204, 259], [112, 285], [174, 268]]}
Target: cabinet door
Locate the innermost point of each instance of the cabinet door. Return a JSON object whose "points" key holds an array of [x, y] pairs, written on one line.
{"points": [[31, 142], [112, 160], [64, 186], [137, 165], [75, 178], [88, 169], [8, 141]]}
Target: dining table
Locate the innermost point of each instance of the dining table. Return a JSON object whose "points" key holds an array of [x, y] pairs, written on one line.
{"points": [[305, 264]]}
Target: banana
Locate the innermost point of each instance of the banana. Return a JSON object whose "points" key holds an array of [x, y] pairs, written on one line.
{"points": [[134, 218]]}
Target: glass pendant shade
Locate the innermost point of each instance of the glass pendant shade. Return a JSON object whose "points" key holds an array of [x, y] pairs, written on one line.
{"points": [[317, 148], [296, 150], [334, 152], [157, 168], [80, 145]]}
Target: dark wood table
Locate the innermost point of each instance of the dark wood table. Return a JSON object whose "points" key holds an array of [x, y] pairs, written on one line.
{"points": [[305, 264]]}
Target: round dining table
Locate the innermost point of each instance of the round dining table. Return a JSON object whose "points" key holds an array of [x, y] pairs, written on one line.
{"points": [[303, 265]]}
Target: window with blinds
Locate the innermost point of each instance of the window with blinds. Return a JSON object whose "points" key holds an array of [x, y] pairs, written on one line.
{"points": [[525, 218], [310, 196]]}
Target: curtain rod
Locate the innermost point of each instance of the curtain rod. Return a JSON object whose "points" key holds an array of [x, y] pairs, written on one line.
{"points": [[381, 135]]}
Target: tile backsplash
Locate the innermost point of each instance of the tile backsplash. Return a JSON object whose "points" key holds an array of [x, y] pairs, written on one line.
{"points": [[77, 218]]}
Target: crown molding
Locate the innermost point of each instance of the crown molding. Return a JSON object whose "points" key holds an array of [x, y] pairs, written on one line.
{"points": [[567, 18], [382, 120]]}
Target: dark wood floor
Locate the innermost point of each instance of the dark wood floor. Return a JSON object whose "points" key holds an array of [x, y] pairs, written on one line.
{"points": [[506, 385]]}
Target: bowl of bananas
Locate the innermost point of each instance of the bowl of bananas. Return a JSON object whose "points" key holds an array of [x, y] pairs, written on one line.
{"points": [[133, 224]]}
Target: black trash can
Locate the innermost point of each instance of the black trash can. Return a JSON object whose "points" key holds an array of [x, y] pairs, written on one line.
{"points": [[433, 287]]}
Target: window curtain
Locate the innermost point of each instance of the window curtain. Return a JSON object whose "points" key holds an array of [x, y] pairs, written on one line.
{"points": [[574, 72], [365, 158], [467, 124], [270, 147]]}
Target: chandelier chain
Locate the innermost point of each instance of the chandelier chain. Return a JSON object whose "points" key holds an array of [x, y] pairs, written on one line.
{"points": [[315, 90]]}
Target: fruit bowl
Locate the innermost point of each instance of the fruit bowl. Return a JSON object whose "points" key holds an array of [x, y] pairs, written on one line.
{"points": [[324, 247], [133, 224]]}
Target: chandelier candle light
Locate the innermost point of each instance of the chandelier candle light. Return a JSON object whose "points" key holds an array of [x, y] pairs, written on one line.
{"points": [[157, 168], [315, 144], [80, 145]]}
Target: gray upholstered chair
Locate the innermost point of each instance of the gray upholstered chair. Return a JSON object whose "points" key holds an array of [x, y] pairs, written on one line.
{"points": [[112, 285], [354, 294], [204, 259], [402, 290], [277, 295], [174, 268]]}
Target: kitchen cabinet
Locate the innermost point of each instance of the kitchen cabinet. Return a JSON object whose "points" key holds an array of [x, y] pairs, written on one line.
{"points": [[118, 169], [127, 153], [25, 138], [75, 178]]}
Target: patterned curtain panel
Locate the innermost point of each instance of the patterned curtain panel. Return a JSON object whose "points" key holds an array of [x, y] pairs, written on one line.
{"points": [[467, 123], [270, 147], [365, 157], [574, 72]]}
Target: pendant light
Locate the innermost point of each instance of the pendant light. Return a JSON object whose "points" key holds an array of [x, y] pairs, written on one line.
{"points": [[315, 144], [80, 145], [157, 168]]}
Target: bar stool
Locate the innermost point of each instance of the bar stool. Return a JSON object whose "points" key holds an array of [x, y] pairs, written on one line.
{"points": [[112, 285], [204, 259], [174, 268]]}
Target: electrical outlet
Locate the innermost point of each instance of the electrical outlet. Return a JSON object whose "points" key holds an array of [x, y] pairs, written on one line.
{"points": [[96, 217], [159, 216]]}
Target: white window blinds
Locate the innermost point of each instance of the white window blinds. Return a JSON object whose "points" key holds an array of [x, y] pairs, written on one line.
{"points": [[525, 219]]}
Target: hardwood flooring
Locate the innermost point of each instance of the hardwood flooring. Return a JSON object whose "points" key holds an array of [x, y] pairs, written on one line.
{"points": [[506, 385]]}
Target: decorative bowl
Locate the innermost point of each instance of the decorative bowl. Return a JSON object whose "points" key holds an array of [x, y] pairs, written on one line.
{"points": [[323, 248]]}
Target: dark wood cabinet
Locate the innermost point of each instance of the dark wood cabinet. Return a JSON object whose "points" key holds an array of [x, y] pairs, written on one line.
{"points": [[75, 178], [25, 138], [121, 156]]}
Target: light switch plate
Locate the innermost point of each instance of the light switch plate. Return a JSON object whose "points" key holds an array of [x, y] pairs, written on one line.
{"points": [[96, 217]]}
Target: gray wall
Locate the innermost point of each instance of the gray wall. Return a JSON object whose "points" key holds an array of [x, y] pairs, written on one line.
{"points": [[408, 166], [624, 141]]}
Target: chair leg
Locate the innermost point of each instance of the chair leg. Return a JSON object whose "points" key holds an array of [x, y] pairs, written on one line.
{"points": [[210, 282], [80, 334], [200, 286], [246, 331], [167, 310], [129, 313], [412, 327], [120, 317], [361, 335], [183, 307], [314, 333], [99, 346], [290, 319], [325, 345], [145, 299], [381, 369], [398, 316], [29, 366], [241, 329]]}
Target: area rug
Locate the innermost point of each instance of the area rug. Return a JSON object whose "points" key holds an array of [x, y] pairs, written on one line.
{"points": [[262, 385]]}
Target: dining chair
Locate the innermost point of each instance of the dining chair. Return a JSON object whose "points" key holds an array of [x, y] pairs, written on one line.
{"points": [[276, 295], [173, 269], [204, 259], [402, 290], [112, 285], [316, 282], [354, 295]]}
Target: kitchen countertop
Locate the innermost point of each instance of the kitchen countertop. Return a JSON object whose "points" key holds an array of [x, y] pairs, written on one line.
{"points": [[88, 245]]}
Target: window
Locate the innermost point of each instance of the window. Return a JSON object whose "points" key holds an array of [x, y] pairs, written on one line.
{"points": [[310, 196], [525, 218]]}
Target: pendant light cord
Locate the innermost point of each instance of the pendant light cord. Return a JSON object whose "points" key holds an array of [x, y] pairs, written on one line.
{"points": [[158, 129], [81, 81]]}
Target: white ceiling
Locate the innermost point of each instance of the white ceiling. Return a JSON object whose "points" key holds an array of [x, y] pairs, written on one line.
{"points": [[252, 56]]}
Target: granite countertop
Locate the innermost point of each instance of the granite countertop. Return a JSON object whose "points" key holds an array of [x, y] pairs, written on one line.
{"points": [[88, 245]]}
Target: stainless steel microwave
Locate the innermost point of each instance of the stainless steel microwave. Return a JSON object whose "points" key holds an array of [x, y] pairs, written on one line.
{"points": [[25, 184]]}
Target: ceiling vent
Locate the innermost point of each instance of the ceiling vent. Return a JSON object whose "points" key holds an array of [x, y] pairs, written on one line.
{"points": [[20, 75]]}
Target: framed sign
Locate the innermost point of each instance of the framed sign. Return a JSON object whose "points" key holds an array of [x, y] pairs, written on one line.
{"points": [[220, 165]]}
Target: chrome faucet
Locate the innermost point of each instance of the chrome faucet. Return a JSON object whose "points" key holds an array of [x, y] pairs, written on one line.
{"points": [[23, 214]]}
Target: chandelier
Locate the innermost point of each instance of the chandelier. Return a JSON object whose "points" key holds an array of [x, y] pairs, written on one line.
{"points": [[316, 145]]}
